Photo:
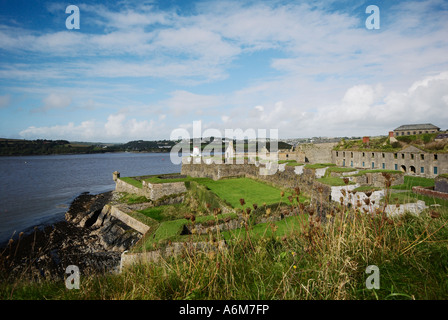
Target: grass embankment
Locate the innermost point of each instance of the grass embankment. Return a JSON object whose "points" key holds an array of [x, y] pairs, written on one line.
{"points": [[360, 173], [334, 181], [252, 191], [314, 261], [410, 182], [402, 193], [319, 165], [291, 163], [132, 181], [340, 170]]}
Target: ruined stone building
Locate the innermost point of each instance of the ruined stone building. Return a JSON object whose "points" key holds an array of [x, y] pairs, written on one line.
{"points": [[410, 160]]}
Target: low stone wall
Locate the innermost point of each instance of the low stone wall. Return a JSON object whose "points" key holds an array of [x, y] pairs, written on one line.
{"points": [[131, 222], [377, 179], [430, 192], [414, 208], [121, 186], [175, 249], [153, 191], [159, 190]]}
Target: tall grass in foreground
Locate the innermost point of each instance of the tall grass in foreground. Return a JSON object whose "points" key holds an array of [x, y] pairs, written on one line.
{"points": [[317, 261]]}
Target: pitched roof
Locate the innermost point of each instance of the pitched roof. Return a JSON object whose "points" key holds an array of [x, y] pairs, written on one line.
{"points": [[425, 126], [411, 149]]}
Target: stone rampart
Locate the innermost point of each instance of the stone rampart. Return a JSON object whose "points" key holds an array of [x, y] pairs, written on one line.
{"points": [[153, 191], [175, 249], [159, 190], [122, 186], [317, 152], [377, 179]]}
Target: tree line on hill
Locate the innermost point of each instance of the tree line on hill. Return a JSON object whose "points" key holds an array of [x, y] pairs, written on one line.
{"points": [[15, 147]]}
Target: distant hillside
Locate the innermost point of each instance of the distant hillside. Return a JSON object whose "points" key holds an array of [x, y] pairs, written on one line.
{"points": [[14, 147], [17, 147]]}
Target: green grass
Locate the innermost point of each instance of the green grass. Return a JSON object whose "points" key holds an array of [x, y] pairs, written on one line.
{"points": [[315, 262], [410, 182], [291, 163], [285, 227], [360, 173], [132, 198], [132, 181], [333, 181], [165, 212], [171, 230], [252, 191], [409, 197], [340, 169], [156, 179], [366, 188], [319, 165]]}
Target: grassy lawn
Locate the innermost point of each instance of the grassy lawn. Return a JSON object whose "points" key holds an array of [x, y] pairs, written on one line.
{"points": [[132, 181], [285, 227], [339, 169], [377, 171], [157, 179], [410, 182], [410, 197], [319, 165], [367, 188], [232, 190], [130, 198], [333, 181], [292, 163]]}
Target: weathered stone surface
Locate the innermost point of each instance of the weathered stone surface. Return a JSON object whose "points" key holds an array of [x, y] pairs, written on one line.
{"points": [[441, 183]]}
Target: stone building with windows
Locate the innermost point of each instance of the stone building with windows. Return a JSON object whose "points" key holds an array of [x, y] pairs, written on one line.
{"points": [[410, 160], [413, 129]]}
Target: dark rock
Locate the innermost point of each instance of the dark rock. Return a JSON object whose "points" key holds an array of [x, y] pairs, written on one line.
{"points": [[90, 238]]}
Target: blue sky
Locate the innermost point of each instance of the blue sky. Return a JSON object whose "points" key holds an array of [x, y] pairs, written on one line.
{"points": [[140, 69]]}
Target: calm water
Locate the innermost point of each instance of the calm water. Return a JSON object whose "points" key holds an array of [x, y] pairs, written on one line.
{"points": [[37, 190]]}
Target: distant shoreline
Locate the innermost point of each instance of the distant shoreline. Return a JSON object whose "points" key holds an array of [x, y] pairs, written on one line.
{"points": [[65, 154]]}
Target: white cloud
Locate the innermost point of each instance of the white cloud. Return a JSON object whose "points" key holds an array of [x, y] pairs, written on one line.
{"points": [[316, 71], [54, 101], [117, 128], [182, 103]]}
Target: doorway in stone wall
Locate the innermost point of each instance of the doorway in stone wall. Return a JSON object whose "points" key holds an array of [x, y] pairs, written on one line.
{"points": [[412, 169], [403, 168]]}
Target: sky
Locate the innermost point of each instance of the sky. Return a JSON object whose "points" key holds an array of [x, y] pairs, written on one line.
{"points": [[139, 70]]}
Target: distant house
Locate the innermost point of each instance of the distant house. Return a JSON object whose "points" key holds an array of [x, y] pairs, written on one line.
{"points": [[412, 129]]}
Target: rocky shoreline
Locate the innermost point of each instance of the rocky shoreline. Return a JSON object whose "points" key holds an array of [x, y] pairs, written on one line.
{"points": [[89, 238]]}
